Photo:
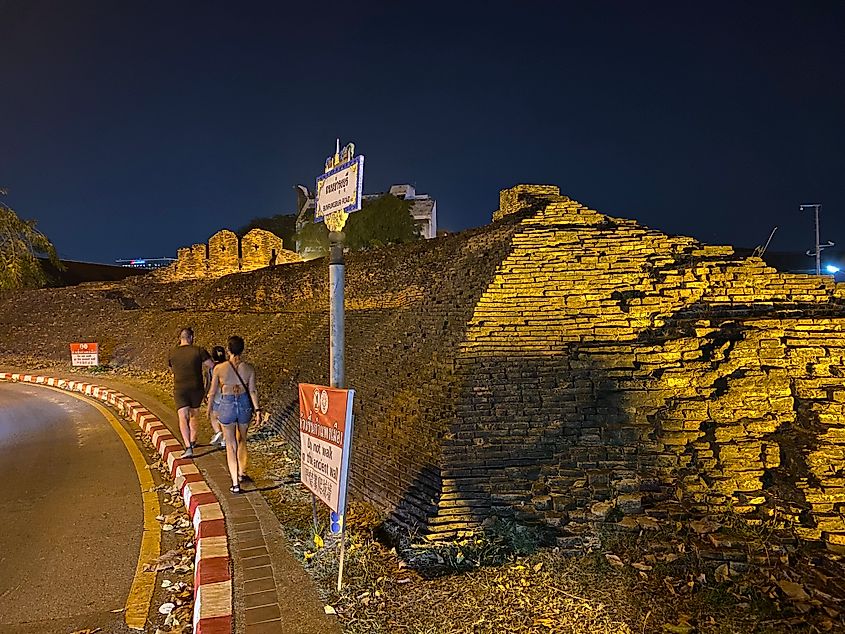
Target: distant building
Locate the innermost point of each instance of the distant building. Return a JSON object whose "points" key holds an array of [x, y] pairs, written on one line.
{"points": [[146, 263], [423, 208]]}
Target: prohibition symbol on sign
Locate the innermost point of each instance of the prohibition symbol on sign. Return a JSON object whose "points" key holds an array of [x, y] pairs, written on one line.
{"points": [[321, 401]]}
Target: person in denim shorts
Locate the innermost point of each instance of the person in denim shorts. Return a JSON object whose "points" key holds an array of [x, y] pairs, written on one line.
{"points": [[218, 356], [235, 381]]}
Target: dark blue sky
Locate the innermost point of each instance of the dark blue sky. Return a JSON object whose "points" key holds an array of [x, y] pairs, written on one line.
{"points": [[132, 128]]}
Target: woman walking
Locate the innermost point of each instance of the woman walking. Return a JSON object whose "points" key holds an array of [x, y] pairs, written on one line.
{"points": [[218, 356], [235, 381]]}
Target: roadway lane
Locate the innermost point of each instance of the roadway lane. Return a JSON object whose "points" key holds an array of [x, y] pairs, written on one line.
{"points": [[71, 515]]}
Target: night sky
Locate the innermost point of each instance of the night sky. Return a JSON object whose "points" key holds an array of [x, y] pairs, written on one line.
{"points": [[132, 128]]}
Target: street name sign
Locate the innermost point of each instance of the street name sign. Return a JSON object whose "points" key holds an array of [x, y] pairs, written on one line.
{"points": [[340, 189], [325, 439], [84, 354]]}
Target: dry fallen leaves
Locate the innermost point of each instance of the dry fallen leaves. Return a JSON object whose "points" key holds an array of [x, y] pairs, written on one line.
{"points": [[168, 560], [704, 526], [793, 590]]}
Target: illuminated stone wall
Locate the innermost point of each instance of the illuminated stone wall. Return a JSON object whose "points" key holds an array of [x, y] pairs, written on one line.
{"points": [[559, 366], [226, 254], [259, 248], [510, 199], [223, 256], [610, 370]]}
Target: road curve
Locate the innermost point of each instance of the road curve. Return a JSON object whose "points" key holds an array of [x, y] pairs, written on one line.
{"points": [[71, 515]]}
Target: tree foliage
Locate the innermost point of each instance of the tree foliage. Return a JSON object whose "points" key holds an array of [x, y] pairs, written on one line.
{"points": [[283, 225], [313, 238], [380, 222], [20, 246]]}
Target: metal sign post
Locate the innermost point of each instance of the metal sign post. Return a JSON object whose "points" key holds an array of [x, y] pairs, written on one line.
{"points": [[338, 194], [325, 445]]}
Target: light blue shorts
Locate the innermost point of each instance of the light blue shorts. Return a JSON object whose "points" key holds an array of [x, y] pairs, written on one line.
{"points": [[234, 408]]}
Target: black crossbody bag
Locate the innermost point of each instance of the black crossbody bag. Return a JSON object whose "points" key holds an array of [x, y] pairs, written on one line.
{"points": [[246, 389]]}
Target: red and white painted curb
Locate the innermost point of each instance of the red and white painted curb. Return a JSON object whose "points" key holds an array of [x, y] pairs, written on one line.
{"points": [[212, 569]]}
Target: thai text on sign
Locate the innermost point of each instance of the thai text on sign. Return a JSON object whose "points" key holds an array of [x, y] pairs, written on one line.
{"points": [[325, 438], [340, 189], [84, 354]]}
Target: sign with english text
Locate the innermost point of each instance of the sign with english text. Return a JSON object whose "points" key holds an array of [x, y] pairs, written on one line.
{"points": [[325, 440], [340, 189], [84, 354]]}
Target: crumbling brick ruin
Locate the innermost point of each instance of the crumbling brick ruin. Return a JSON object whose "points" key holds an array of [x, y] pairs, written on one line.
{"points": [[559, 366], [225, 254]]}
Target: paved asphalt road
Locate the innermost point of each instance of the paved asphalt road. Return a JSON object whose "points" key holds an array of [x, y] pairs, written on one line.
{"points": [[71, 515]]}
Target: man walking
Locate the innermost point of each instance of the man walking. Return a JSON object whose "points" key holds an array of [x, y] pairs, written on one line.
{"points": [[189, 364]]}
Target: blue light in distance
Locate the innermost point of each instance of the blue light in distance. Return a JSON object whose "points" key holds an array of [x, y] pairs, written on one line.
{"points": [[832, 269]]}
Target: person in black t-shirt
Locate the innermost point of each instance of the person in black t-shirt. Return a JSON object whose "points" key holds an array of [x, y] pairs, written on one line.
{"points": [[189, 364]]}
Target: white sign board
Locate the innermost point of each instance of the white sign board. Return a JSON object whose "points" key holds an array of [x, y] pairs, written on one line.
{"points": [[340, 189], [325, 437], [84, 354]]}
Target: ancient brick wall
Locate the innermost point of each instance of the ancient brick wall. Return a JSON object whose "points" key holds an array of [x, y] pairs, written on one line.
{"points": [[610, 370], [559, 366], [197, 263], [227, 254], [510, 199], [259, 248], [223, 256]]}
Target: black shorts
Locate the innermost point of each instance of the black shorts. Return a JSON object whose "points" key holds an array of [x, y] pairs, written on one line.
{"points": [[189, 397]]}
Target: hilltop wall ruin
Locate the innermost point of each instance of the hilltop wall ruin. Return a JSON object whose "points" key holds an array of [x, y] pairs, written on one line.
{"points": [[559, 366], [225, 253]]}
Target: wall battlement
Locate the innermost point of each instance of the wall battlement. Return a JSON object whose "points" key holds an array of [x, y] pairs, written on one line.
{"points": [[225, 254]]}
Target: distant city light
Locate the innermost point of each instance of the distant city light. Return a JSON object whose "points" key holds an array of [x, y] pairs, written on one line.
{"points": [[832, 269], [146, 263]]}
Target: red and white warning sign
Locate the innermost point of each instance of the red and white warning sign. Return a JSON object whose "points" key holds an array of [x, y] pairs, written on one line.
{"points": [[325, 434], [84, 354]]}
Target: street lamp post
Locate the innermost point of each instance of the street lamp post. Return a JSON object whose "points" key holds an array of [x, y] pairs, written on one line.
{"points": [[818, 250]]}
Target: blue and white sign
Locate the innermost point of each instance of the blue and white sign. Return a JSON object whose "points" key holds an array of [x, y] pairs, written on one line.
{"points": [[340, 189]]}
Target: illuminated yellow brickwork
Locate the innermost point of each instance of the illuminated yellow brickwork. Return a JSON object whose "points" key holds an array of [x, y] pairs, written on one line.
{"points": [[223, 253], [226, 254], [607, 362], [558, 366], [514, 199]]}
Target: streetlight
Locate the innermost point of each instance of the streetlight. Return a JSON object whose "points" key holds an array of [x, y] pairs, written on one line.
{"points": [[818, 251]]}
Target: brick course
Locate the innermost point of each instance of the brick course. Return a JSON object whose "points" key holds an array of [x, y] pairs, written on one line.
{"points": [[226, 253], [559, 366]]}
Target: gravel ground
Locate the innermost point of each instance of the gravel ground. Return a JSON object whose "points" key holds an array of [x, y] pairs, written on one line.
{"points": [[661, 580], [650, 581]]}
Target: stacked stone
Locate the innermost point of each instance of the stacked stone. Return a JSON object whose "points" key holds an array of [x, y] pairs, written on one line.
{"points": [[226, 254], [510, 200], [197, 263], [592, 385], [559, 366], [223, 253], [259, 248]]}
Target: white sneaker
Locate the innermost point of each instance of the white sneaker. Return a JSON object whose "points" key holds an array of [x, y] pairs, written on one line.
{"points": [[216, 437], [222, 444]]}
